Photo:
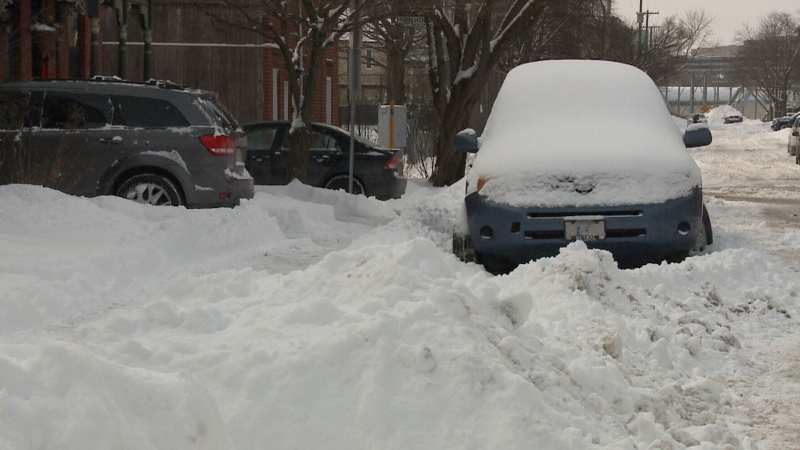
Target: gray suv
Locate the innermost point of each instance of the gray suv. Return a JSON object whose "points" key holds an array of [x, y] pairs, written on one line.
{"points": [[154, 142]]}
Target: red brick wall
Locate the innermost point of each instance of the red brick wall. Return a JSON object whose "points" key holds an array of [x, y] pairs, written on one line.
{"points": [[275, 92], [22, 36]]}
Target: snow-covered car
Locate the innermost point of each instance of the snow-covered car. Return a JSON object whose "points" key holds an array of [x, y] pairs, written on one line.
{"points": [[732, 118], [784, 122], [622, 181], [697, 118]]}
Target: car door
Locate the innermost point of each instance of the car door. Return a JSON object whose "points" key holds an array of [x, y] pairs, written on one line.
{"points": [[261, 143], [324, 155], [75, 142]]}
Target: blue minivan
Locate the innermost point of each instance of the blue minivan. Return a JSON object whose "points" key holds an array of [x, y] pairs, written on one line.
{"points": [[614, 173]]}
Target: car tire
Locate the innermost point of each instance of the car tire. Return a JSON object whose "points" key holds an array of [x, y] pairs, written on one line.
{"points": [[497, 265], [150, 189], [342, 182], [705, 237], [463, 248]]}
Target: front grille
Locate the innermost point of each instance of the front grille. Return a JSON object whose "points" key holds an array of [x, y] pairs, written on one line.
{"points": [[557, 215], [550, 225], [610, 234], [544, 234]]}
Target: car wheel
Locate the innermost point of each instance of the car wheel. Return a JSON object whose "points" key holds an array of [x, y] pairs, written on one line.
{"points": [[705, 237], [342, 183], [150, 189], [497, 265], [463, 248]]}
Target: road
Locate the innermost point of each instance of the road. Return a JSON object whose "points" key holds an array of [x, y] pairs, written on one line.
{"points": [[753, 181]]}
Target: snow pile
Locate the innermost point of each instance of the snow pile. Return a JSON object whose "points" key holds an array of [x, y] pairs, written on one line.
{"points": [[312, 319]]}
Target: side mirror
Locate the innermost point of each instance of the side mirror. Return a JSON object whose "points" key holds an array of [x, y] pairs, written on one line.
{"points": [[795, 133], [466, 141], [697, 135]]}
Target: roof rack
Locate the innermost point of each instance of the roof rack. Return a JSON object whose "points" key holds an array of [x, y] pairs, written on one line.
{"points": [[163, 84]]}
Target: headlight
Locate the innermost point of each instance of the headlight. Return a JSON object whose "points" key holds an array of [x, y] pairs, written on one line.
{"points": [[482, 180]]}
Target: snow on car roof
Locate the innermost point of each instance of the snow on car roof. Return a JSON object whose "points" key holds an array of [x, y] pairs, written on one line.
{"points": [[581, 118]]}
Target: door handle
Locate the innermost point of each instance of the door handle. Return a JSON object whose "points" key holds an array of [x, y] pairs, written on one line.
{"points": [[113, 140]]}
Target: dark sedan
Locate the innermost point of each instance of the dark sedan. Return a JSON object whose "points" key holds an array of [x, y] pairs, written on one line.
{"points": [[784, 122], [377, 172]]}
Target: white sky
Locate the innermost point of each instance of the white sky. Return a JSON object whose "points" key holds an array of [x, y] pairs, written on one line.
{"points": [[729, 15]]}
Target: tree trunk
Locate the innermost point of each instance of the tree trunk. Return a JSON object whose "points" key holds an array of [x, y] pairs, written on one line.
{"points": [[450, 164], [395, 76], [297, 162]]}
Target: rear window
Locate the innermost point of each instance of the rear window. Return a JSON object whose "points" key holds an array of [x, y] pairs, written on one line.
{"points": [[219, 114], [148, 113]]}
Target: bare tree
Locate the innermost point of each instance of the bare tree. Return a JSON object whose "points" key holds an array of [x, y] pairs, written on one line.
{"points": [[670, 47], [768, 59], [302, 31], [573, 29], [465, 41], [397, 40]]}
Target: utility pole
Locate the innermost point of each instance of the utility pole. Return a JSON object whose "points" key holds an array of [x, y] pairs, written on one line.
{"points": [[643, 19], [607, 29], [647, 26], [639, 20]]}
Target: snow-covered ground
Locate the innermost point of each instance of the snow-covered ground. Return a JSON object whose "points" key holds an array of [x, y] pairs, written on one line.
{"points": [[312, 319]]}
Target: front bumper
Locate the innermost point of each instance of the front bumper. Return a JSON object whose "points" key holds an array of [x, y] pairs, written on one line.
{"points": [[634, 234]]}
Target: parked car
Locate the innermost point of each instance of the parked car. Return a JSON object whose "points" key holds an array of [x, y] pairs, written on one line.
{"points": [[732, 118], [697, 118], [784, 122], [377, 172], [793, 140], [155, 142], [624, 182]]}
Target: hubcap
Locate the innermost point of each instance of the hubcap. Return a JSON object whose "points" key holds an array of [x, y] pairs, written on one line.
{"points": [[150, 194]]}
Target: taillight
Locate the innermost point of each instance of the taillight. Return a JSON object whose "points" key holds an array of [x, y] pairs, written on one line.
{"points": [[219, 144], [392, 164]]}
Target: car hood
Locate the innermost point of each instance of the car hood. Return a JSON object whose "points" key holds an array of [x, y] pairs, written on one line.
{"points": [[620, 146]]}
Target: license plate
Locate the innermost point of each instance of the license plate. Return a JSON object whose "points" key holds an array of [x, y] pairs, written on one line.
{"points": [[585, 230]]}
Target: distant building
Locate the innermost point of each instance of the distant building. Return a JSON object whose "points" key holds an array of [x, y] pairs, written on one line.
{"points": [[163, 39], [710, 79]]}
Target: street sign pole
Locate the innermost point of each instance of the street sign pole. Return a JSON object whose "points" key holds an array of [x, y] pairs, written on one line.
{"points": [[355, 82]]}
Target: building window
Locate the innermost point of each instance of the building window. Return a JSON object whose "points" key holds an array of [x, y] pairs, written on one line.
{"points": [[368, 63]]}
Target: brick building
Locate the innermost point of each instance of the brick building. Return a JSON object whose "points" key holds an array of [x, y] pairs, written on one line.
{"points": [[164, 39]]}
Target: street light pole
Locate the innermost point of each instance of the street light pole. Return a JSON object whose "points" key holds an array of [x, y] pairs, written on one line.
{"points": [[354, 81]]}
